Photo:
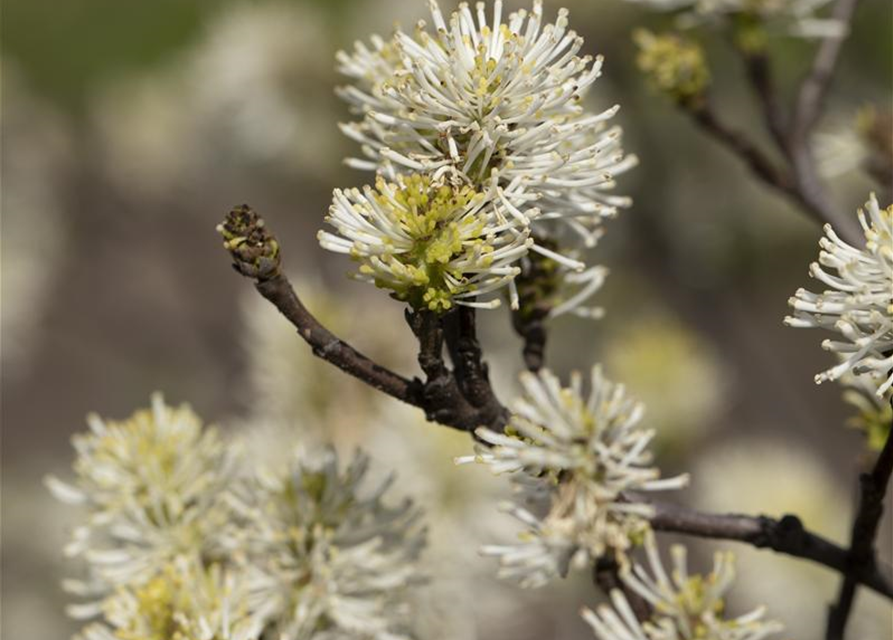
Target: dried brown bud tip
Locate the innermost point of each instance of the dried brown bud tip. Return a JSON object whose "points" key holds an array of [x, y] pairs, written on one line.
{"points": [[254, 250]]}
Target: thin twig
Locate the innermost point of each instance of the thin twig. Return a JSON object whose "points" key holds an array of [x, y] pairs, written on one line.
{"points": [[255, 254], [737, 142], [456, 398], [814, 88], [808, 108], [472, 372], [873, 488], [759, 73], [786, 535], [606, 575]]}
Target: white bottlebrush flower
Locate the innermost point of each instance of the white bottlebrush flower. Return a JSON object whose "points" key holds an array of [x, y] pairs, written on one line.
{"points": [[684, 606], [152, 487], [433, 244], [573, 457], [185, 601], [859, 301], [797, 17], [329, 560], [478, 95]]}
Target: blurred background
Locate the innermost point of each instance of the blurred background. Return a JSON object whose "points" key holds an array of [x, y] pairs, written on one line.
{"points": [[130, 128]]}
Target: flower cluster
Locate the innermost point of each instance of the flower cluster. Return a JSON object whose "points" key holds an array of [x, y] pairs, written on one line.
{"points": [[325, 555], [181, 543], [574, 460], [152, 486], [484, 107], [432, 244], [796, 17], [685, 606], [858, 303], [674, 65]]}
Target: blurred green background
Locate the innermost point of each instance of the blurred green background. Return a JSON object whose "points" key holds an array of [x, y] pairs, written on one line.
{"points": [[129, 128]]}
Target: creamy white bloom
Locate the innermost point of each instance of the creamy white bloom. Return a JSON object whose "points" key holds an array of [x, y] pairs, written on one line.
{"points": [[797, 17], [858, 303], [326, 558], [152, 487], [684, 606], [434, 245], [185, 601], [478, 95], [573, 458]]}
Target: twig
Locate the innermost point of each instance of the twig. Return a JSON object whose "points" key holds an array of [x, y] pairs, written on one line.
{"points": [[813, 89], [536, 285], [472, 372], [786, 535], [873, 488], [704, 115], [460, 398], [808, 108], [759, 73], [255, 254], [606, 575]]}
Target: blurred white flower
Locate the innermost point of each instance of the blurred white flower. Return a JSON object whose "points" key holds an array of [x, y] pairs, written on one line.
{"points": [[797, 17], [185, 601], [432, 244], [685, 606], [328, 559], [840, 151], [572, 458], [480, 95], [859, 303], [153, 488]]}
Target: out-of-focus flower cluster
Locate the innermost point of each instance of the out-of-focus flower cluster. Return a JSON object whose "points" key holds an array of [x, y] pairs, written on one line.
{"points": [[479, 130], [857, 303], [182, 541], [795, 17], [684, 606], [675, 65], [573, 459]]}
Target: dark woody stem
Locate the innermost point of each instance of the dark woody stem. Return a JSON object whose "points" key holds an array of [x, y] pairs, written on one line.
{"points": [[462, 398], [873, 489], [466, 406]]}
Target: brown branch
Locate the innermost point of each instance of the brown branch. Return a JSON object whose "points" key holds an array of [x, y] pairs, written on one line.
{"points": [[759, 72], [814, 88], [738, 143], [786, 535], [536, 285], [873, 488], [462, 398], [808, 108], [255, 254], [606, 575], [472, 372]]}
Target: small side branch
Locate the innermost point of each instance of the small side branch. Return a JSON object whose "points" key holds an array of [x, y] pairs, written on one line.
{"points": [[873, 488], [759, 73], [814, 88], [255, 254], [606, 575], [461, 399], [786, 535], [705, 117]]}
